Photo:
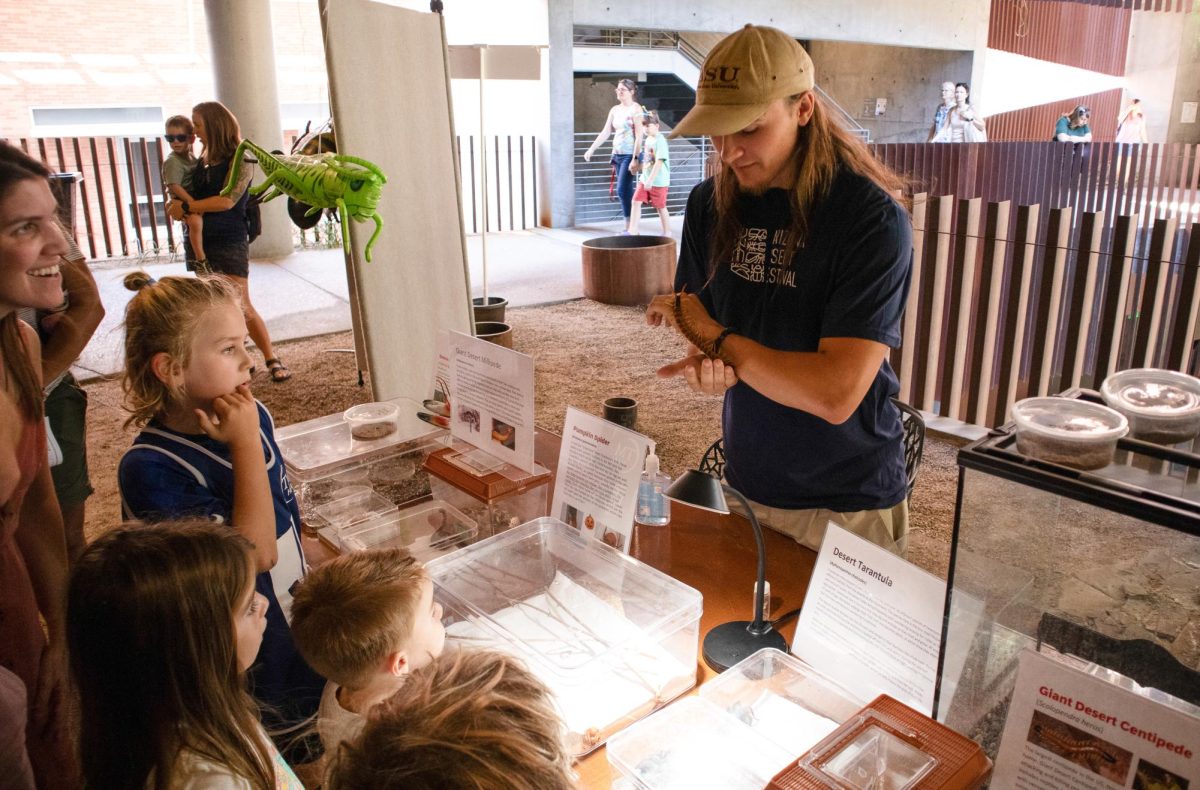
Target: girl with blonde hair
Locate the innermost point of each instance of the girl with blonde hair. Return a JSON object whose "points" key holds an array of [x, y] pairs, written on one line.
{"points": [[207, 449], [163, 622]]}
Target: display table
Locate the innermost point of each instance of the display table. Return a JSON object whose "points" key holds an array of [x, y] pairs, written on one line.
{"points": [[714, 554]]}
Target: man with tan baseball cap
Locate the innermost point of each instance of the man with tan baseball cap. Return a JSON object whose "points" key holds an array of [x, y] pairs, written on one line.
{"points": [[793, 273]]}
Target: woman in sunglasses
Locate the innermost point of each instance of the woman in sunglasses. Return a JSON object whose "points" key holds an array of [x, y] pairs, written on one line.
{"points": [[1073, 126]]}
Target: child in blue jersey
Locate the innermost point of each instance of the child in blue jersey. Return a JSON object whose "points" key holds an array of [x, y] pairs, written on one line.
{"points": [[207, 448]]}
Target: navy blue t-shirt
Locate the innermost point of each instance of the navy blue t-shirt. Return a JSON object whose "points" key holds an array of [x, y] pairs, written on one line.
{"points": [[168, 475], [850, 279]]}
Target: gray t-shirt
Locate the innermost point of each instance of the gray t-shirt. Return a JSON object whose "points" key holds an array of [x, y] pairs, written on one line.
{"points": [[178, 170]]}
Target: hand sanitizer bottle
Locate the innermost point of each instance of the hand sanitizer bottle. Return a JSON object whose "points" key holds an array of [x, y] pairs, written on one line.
{"points": [[653, 509]]}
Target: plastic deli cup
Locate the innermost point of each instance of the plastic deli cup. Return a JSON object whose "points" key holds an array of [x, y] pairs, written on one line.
{"points": [[1070, 432], [1162, 406], [372, 420]]}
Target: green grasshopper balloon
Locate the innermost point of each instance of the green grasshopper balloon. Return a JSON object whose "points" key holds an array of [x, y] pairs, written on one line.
{"points": [[349, 184]]}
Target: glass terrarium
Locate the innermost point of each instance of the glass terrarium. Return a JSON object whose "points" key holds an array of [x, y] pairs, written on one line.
{"points": [[742, 729], [1099, 565], [612, 638], [494, 494], [327, 463]]}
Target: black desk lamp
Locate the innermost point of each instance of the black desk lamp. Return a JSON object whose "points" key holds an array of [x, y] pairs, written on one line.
{"points": [[729, 643]]}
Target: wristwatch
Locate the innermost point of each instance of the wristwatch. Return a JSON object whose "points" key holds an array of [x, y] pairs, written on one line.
{"points": [[187, 208]]}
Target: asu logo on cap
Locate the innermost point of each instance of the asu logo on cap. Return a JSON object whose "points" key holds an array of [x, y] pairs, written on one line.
{"points": [[719, 77]]}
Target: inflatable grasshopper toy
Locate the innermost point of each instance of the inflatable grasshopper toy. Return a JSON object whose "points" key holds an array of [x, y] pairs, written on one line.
{"points": [[347, 183]]}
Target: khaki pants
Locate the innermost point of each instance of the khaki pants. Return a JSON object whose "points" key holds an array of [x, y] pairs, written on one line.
{"points": [[887, 528]]}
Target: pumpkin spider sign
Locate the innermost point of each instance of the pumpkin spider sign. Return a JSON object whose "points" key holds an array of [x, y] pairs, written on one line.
{"points": [[349, 184]]}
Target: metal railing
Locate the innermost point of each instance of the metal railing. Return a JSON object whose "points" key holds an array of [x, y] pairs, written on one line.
{"points": [[595, 181], [120, 210]]}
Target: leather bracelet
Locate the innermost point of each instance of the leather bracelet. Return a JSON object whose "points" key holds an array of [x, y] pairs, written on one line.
{"points": [[716, 346]]}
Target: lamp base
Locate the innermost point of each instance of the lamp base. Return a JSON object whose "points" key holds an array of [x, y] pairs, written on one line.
{"points": [[729, 643]]}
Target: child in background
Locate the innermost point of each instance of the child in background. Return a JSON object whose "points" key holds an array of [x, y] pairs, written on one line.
{"points": [[207, 449], [365, 621], [177, 172], [656, 177], [469, 719], [162, 622]]}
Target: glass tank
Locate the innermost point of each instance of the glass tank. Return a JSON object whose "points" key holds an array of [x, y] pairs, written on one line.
{"points": [[1101, 565]]}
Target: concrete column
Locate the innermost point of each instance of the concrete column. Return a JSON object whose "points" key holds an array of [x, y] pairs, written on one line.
{"points": [[243, 56], [558, 206]]}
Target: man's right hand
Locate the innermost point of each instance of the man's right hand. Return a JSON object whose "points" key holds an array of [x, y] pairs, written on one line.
{"points": [[236, 420], [702, 374]]}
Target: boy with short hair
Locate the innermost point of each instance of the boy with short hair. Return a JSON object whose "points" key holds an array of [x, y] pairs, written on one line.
{"points": [[177, 172], [364, 621], [656, 177]]}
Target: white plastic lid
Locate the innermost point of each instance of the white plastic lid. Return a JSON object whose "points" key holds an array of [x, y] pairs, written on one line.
{"points": [[1068, 418], [651, 464], [1152, 392], [371, 412]]}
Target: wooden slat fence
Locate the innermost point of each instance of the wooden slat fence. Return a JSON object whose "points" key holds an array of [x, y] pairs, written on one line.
{"points": [[1012, 301], [120, 211]]}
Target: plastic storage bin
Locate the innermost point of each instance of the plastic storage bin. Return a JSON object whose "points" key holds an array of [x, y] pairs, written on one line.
{"points": [[427, 529], [744, 727], [1045, 554], [613, 638], [1076, 433], [1162, 406], [325, 462], [496, 495]]}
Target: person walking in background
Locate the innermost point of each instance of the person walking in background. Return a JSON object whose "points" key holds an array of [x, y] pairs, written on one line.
{"points": [[624, 123], [942, 114], [963, 124], [655, 178], [1131, 128], [1073, 126]]}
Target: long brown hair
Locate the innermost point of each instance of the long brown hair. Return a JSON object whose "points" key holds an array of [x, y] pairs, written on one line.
{"points": [[472, 718], [162, 317], [221, 132], [154, 657], [17, 166], [822, 146]]}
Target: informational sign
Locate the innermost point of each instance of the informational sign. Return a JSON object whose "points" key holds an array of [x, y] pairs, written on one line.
{"points": [[1069, 729], [491, 399], [599, 469], [872, 622]]}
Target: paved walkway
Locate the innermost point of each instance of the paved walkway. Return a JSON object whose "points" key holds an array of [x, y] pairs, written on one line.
{"points": [[305, 294]]}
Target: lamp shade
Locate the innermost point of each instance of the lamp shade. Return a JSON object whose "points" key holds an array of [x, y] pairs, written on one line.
{"points": [[698, 489]]}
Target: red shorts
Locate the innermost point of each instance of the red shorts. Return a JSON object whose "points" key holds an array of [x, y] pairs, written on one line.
{"points": [[655, 196]]}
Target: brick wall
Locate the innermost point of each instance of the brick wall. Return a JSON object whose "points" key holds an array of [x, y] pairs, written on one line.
{"points": [[123, 53]]}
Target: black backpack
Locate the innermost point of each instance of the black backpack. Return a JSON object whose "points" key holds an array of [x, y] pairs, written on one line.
{"points": [[253, 216]]}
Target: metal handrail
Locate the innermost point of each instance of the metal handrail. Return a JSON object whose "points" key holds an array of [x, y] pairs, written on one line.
{"points": [[847, 119]]}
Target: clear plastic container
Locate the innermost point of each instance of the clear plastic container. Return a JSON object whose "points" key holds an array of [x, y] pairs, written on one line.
{"points": [[613, 638], [744, 727], [494, 494], [372, 421], [356, 506], [1162, 406], [1070, 432], [325, 462], [427, 530]]}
